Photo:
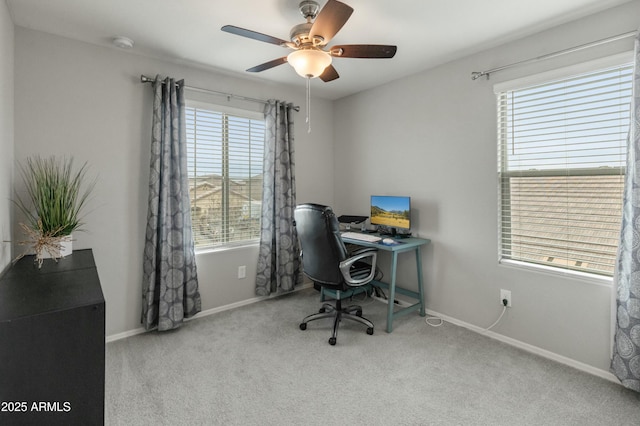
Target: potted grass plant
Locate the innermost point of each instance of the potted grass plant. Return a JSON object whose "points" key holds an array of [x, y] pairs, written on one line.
{"points": [[56, 194]]}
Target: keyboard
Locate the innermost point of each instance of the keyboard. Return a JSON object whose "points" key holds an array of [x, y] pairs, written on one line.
{"points": [[361, 237]]}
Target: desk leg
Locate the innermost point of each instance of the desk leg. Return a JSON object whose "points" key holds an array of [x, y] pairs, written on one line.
{"points": [[392, 292], [420, 282]]}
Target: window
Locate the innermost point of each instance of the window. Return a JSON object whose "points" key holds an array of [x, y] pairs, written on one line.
{"points": [[225, 153], [561, 164]]}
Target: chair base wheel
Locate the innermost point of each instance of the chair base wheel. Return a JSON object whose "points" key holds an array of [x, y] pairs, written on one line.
{"points": [[337, 313]]}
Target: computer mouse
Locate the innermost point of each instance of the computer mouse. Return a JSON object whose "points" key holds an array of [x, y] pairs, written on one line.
{"points": [[388, 241]]}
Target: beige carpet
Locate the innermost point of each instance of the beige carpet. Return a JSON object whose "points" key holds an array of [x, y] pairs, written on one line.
{"points": [[253, 366]]}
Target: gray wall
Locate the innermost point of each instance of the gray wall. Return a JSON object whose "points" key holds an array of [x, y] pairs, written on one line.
{"points": [[433, 136], [77, 99], [6, 133]]}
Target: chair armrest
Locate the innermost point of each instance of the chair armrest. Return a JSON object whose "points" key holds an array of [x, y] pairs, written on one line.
{"points": [[345, 267]]}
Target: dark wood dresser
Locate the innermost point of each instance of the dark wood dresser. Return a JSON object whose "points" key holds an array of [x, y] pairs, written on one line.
{"points": [[52, 342]]}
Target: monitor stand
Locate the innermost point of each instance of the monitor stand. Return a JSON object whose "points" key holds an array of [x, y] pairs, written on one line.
{"points": [[393, 232]]}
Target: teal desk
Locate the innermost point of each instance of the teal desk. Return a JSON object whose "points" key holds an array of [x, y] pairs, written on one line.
{"points": [[404, 245]]}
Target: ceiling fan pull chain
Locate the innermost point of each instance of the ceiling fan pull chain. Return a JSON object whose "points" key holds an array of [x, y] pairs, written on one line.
{"points": [[309, 104]]}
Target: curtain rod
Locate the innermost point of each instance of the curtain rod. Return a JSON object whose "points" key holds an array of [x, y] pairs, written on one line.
{"points": [[145, 79], [477, 74]]}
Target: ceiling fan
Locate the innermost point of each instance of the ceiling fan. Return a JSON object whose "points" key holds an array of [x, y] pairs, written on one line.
{"points": [[311, 57]]}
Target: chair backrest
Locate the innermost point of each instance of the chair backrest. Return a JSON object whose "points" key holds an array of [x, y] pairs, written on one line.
{"points": [[322, 247]]}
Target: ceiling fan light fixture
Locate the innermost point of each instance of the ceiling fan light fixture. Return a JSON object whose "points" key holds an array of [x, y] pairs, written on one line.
{"points": [[309, 63]]}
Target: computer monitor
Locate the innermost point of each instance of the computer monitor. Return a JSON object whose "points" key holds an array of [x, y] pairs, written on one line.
{"points": [[392, 214]]}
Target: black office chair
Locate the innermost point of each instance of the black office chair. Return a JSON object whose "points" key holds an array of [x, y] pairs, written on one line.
{"points": [[326, 262]]}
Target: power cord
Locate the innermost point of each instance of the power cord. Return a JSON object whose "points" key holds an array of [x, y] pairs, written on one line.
{"points": [[432, 324], [505, 302], [365, 296], [382, 297]]}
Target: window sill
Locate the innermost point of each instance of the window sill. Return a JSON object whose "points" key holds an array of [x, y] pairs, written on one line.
{"points": [[558, 272], [227, 247]]}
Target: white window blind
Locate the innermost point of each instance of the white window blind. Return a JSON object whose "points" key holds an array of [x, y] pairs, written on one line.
{"points": [[225, 154], [562, 154]]}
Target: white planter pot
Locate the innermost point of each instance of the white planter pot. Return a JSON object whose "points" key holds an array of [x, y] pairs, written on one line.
{"points": [[66, 248]]}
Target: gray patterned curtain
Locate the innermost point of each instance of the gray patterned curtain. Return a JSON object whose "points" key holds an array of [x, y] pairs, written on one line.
{"points": [[170, 283], [625, 363], [278, 258]]}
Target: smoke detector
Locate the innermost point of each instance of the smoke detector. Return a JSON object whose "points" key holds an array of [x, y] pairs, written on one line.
{"points": [[122, 42]]}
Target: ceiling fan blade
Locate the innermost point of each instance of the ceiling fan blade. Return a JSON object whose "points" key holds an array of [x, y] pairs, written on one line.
{"points": [[329, 74], [330, 19], [363, 51], [268, 65], [253, 35]]}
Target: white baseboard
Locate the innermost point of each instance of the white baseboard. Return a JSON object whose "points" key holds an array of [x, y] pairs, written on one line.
{"points": [[530, 348], [124, 334], [134, 332]]}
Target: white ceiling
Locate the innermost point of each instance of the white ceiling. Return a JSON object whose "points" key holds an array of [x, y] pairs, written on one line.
{"points": [[427, 32]]}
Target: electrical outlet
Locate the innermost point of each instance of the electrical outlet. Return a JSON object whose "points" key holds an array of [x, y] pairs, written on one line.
{"points": [[505, 294], [242, 271]]}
